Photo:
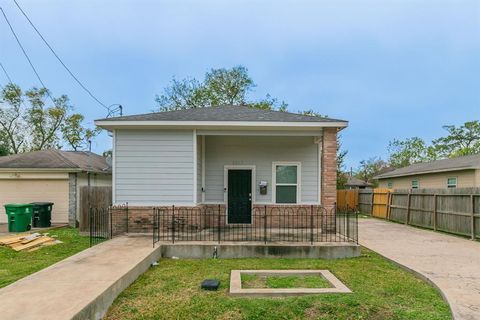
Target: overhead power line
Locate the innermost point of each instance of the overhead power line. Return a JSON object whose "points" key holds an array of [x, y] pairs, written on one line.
{"points": [[6, 73], [59, 59], [26, 55]]}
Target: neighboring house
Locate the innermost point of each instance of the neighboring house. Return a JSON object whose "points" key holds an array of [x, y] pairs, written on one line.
{"points": [[234, 156], [51, 175], [355, 183], [461, 172]]}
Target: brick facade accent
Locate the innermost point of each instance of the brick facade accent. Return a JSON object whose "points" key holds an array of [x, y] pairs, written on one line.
{"points": [[329, 168]]}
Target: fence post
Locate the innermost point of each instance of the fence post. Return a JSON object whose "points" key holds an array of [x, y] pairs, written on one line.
{"points": [[218, 224], [372, 202], [311, 224], [126, 229], [173, 224], [154, 223], [111, 221], [472, 211], [408, 208], [389, 203], [90, 213], [265, 225], [435, 212]]}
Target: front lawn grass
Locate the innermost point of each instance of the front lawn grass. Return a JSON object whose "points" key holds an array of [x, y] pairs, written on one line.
{"points": [[16, 265], [276, 282], [381, 290]]}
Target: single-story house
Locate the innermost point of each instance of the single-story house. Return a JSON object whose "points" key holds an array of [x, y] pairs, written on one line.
{"points": [[355, 183], [51, 176], [460, 172], [237, 157]]}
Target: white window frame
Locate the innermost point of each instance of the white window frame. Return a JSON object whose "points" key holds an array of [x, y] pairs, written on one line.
{"points": [[390, 184], [456, 183], [418, 184], [298, 164]]}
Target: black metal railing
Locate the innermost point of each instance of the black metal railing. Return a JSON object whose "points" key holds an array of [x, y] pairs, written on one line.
{"points": [[107, 223], [308, 224]]}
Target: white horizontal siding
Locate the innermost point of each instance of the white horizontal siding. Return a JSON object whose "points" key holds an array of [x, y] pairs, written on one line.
{"points": [[260, 151], [153, 166]]}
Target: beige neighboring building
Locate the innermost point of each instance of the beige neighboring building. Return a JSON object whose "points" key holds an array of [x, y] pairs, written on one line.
{"points": [[51, 176], [460, 172]]}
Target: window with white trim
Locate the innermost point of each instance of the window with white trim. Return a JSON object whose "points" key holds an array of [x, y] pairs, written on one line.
{"points": [[390, 185], [452, 182], [415, 184], [286, 183]]}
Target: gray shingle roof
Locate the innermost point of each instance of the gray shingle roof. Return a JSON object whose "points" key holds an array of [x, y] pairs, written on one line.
{"points": [[452, 164], [223, 113], [355, 182], [56, 159]]}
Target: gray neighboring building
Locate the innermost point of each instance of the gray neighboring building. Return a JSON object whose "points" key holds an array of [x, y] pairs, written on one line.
{"points": [[355, 183], [460, 172], [53, 176]]}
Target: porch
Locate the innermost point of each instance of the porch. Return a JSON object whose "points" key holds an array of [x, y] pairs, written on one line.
{"points": [[263, 224]]}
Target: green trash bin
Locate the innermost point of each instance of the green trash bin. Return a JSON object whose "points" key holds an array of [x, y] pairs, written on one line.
{"points": [[19, 217], [42, 214]]}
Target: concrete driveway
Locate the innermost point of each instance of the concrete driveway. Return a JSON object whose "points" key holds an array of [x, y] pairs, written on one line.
{"points": [[450, 262]]}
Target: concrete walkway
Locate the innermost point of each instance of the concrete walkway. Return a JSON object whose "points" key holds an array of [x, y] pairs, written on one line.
{"points": [[82, 286], [450, 262]]}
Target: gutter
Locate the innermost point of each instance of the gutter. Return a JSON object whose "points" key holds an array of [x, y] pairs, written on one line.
{"points": [[380, 177], [106, 124]]}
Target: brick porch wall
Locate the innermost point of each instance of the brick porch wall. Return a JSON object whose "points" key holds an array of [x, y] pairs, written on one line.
{"points": [[140, 219], [329, 168]]}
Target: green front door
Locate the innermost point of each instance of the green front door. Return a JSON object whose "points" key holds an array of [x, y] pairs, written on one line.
{"points": [[239, 196]]}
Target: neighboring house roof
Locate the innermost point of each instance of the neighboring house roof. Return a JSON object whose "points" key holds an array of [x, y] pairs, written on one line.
{"points": [[445, 165], [224, 113], [56, 159], [355, 182]]}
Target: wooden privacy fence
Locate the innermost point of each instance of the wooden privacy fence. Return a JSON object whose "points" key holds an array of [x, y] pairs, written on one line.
{"points": [[347, 199], [100, 197], [451, 210], [374, 201]]}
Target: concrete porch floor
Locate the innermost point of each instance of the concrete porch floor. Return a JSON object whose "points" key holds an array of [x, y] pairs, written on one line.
{"points": [[82, 286]]}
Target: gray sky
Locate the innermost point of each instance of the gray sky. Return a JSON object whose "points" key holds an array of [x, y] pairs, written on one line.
{"points": [[394, 69]]}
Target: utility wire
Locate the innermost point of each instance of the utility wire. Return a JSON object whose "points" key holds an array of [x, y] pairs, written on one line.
{"points": [[6, 73], [26, 55], [59, 59]]}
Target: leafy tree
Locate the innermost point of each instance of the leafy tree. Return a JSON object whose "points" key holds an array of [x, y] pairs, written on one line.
{"points": [[45, 122], [220, 86], [11, 120], [370, 168], [75, 134], [4, 146], [27, 123], [342, 178], [460, 141], [409, 151], [107, 153]]}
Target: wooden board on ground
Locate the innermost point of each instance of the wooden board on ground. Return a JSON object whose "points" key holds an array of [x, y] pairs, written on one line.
{"points": [[34, 243], [26, 241]]}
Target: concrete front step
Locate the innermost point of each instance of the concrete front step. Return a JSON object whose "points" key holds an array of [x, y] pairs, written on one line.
{"points": [[82, 286]]}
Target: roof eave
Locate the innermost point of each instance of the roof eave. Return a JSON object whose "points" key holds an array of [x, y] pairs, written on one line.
{"points": [[40, 169], [380, 177], [112, 124]]}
